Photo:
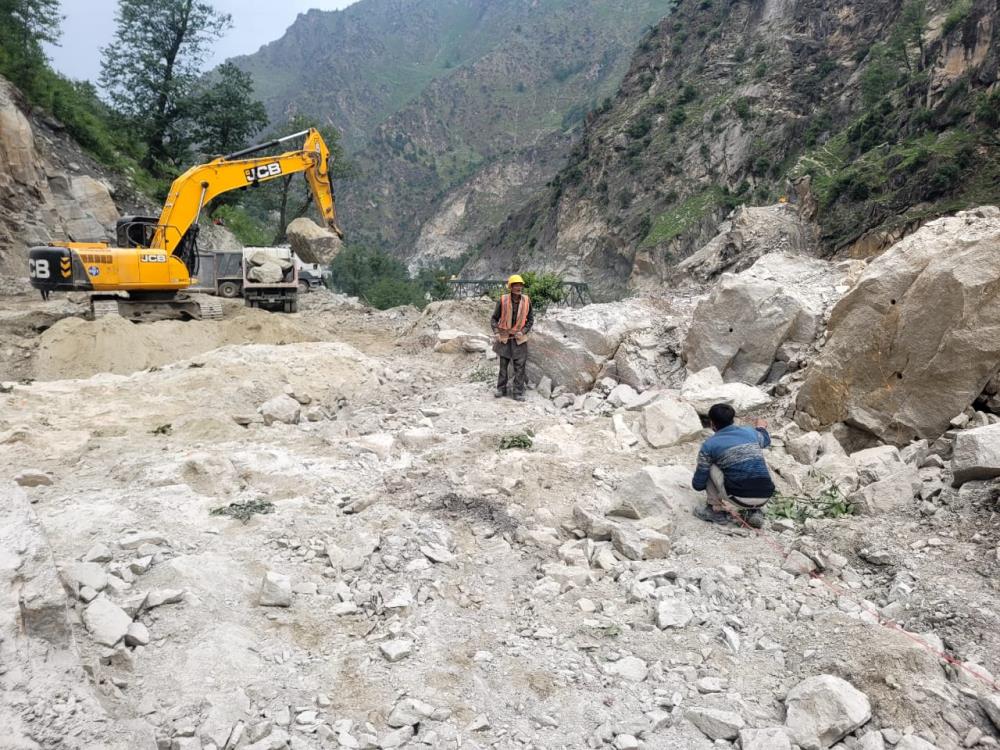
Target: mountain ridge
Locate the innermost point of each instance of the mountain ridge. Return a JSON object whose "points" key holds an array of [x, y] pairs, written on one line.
{"points": [[499, 86], [871, 116]]}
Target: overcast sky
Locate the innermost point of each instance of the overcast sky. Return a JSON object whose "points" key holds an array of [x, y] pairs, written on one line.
{"points": [[90, 24]]}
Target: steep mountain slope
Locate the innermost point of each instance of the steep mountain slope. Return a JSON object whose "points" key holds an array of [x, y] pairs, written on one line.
{"points": [[460, 108], [873, 115]]}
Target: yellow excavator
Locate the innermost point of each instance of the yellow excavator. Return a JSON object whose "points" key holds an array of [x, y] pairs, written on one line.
{"points": [[156, 259]]}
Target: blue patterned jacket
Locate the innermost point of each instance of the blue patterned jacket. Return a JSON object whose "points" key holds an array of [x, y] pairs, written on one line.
{"points": [[738, 452]]}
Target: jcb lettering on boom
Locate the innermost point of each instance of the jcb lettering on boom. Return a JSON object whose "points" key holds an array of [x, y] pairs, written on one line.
{"points": [[263, 171]]}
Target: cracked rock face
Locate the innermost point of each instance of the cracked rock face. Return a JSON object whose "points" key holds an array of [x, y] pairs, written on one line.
{"points": [[910, 345], [41, 199]]}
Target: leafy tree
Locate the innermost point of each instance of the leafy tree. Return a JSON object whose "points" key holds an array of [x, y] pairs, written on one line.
{"points": [[375, 277], [386, 293], [291, 197], [24, 25], [880, 77], [150, 70], [358, 267], [224, 114], [542, 288], [909, 30]]}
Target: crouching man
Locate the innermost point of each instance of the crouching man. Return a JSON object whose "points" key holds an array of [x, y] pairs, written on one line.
{"points": [[732, 471]]}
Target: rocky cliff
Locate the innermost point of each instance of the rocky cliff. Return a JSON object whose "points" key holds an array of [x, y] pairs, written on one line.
{"points": [[458, 111], [871, 116], [52, 190], [49, 189]]}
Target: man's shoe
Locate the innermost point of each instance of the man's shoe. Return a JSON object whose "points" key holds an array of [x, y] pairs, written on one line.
{"points": [[499, 393], [519, 397], [754, 518], [706, 513]]}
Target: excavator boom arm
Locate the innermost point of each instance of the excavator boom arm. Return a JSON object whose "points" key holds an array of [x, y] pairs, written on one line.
{"points": [[192, 190]]}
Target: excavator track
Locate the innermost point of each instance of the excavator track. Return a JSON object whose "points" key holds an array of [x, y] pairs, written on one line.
{"points": [[147, 309], [211, 308], [102, 308]]}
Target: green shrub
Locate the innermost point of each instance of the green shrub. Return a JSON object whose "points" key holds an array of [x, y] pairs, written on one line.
{"points": [[248, 230], [988, 109], [640, 126], [387, 293], [243, 511], [829, 502], [677, 118], [485, 372], [375, 277], [956, 14], [687, 95], [761, 165], [521, 441], [742, 108], [543, 289], [880, 77]]}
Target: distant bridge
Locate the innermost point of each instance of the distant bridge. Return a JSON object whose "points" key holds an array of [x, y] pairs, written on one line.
{"points": [[574, 293]]}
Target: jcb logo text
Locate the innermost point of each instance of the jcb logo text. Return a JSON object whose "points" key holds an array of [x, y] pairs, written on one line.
{"points": [[39, 269], [263, 172]]}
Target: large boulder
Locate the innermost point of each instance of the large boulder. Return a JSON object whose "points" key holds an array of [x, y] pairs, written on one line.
{"points": [[313, 243], [84, 206], [917, 339], [748, 233], [266, 273], [457, 342], [741, 325], [259, 256], [571, 346], [469, 316], [823, 710], [705, 388], [976, 454], [107, 622], [657, 491], [668, 421]]}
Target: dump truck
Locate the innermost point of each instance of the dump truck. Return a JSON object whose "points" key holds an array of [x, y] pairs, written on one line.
{"points": [[270, 279]]}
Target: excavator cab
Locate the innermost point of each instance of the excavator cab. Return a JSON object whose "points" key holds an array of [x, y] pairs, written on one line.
{"points": [[140, 231], [135, 231]]}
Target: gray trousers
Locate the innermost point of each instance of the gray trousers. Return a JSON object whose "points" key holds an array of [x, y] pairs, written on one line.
{"points": [[715, 493], [516, 356]]}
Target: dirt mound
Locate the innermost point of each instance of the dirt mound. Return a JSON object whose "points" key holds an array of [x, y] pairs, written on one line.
{"points": [[467, 315], [76, 348]]}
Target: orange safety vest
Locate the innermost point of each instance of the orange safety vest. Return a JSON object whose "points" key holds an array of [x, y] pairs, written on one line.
{"points": [[507, 325]]}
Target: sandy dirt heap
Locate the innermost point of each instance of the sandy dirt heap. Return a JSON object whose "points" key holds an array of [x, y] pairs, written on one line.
{"points": [[77, 348]]}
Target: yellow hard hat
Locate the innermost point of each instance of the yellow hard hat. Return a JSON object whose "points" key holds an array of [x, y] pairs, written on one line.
{"points": [[515, 279]]}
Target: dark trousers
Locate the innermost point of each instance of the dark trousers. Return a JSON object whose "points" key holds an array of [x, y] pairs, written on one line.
{"points": [[516, 355]]}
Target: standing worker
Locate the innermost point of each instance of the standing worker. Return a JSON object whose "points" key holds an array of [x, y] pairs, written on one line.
{"points": [[731, 469], [512, 321]]}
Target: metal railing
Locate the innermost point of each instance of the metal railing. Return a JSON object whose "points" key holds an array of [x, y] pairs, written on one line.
{"points": [[574, 293]]}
